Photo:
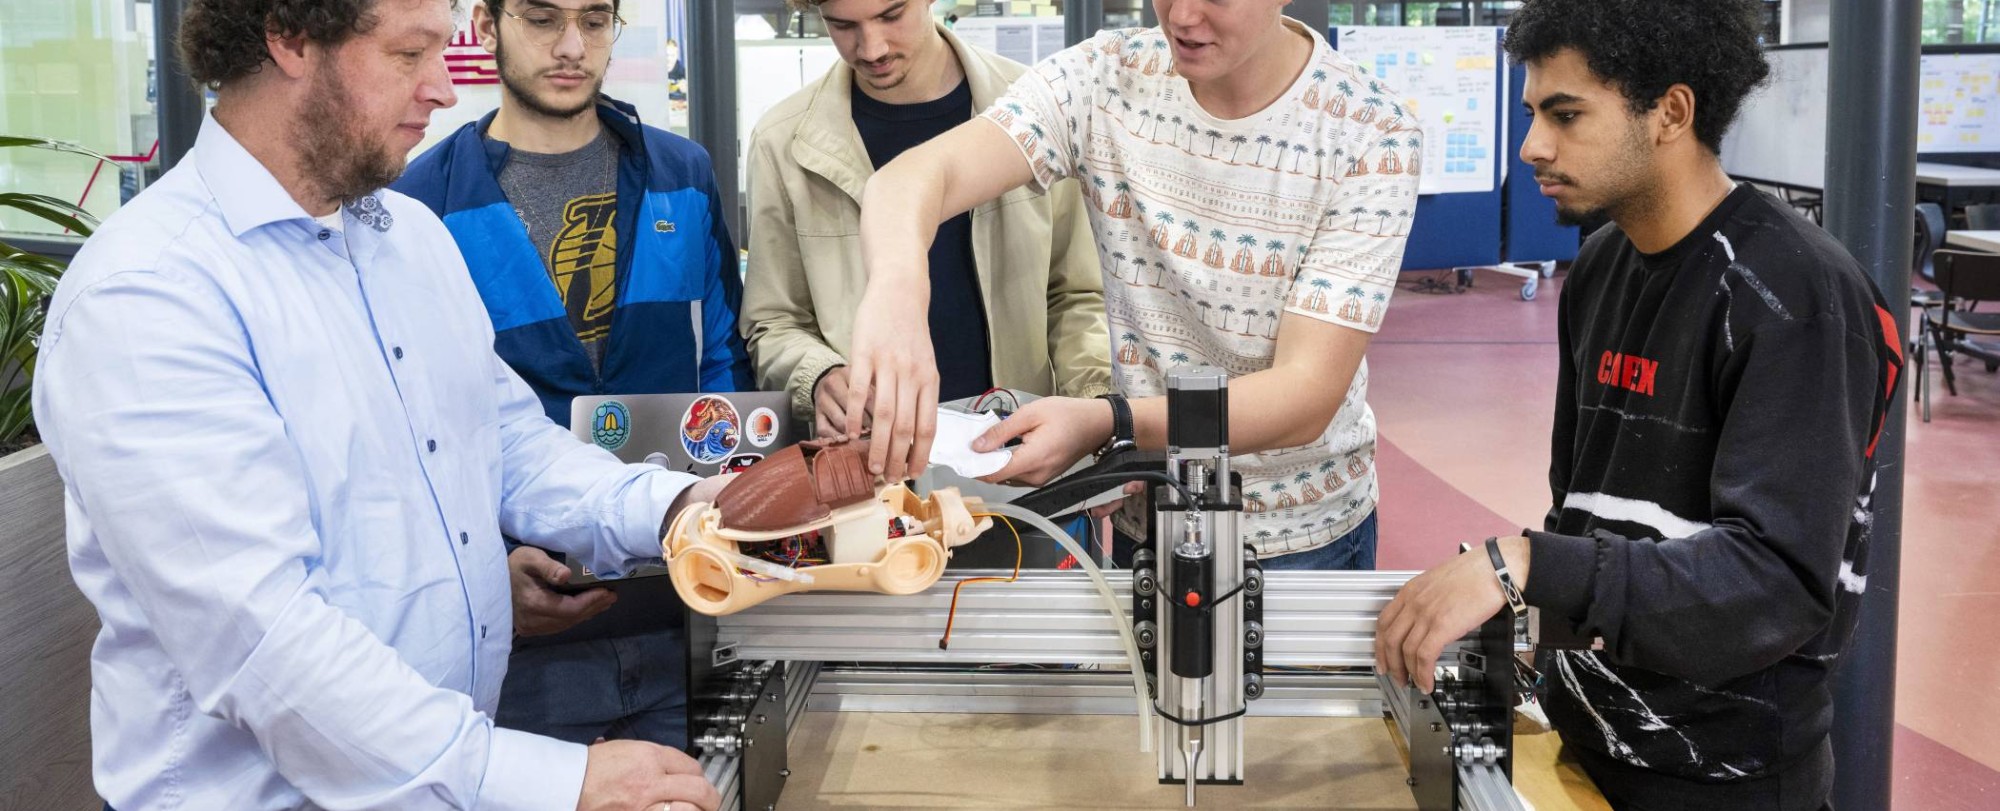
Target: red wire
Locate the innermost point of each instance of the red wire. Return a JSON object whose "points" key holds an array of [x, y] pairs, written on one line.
{"points": [[952, 616]]}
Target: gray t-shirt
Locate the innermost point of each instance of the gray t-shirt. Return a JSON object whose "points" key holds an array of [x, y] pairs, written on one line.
{"points": [[569, 203]]}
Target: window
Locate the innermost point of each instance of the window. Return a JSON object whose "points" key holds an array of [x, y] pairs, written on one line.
{"points": [[1432, 14], [1356, 12], [646, 71], [1447, 12], [79, 71], [1125, 13], [1956, 22]]}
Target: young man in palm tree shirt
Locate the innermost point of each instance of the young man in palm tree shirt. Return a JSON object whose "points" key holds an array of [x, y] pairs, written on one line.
{"points": [[1234, 146]]}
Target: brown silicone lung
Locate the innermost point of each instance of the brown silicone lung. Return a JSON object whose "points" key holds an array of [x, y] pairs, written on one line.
{"points": [[840, 472], [798, 485]]}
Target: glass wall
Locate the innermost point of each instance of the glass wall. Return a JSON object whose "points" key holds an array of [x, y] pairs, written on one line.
{"points": [[1449, 12], [646, 70], [1125, 13], [79, 71], [1956, 22]]}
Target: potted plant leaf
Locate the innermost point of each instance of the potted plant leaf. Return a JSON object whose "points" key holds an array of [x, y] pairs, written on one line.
{"points": [[26, 281]]}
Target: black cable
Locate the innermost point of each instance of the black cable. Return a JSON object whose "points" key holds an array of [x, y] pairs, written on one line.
{"points": [[1156, 476], [1199, 722], [1213, 604]]}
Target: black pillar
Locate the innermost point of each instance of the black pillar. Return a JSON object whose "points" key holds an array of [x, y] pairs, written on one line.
{"points": [[1871, 137], [1082, 19], [711, 79], [180, 103]]}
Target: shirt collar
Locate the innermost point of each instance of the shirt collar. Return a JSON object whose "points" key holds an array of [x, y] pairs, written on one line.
{"points": [[247, 193]]}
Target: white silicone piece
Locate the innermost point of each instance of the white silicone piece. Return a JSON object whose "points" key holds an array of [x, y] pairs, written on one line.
{"points": [[703, 556]]}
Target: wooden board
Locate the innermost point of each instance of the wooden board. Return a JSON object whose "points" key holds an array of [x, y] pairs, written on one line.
{"points": [[44, 646]]}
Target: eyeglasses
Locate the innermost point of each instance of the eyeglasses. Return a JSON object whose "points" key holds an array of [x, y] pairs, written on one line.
{"points": [[545, 25]]}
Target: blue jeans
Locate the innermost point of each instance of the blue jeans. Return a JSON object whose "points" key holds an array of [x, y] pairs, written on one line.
{"points": [[629, 686], [1354, 551]]}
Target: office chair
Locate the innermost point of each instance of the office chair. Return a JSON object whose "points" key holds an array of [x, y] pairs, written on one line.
{"points": [[1964, 279]]}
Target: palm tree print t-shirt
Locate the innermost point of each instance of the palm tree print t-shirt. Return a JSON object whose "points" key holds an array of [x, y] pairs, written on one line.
{"points": [[1209, 230]]}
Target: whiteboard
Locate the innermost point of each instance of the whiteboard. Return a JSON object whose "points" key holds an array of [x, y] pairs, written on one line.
{"points": [[1452, 75], [1959, 103], [1780, 136], [1780, 133]]}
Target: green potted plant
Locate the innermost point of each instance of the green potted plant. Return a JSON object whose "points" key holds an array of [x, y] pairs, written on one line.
{"points": [[26, 282]]}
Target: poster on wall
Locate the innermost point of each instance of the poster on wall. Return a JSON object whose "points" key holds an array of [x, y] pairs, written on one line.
{"points": [[1959, 103], [1453, 77], [1026, 40]]}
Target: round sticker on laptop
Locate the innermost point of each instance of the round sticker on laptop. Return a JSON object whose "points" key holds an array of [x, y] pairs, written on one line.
{"points": [[709, 429], [611, 425], [762, 429], [740, 462]]}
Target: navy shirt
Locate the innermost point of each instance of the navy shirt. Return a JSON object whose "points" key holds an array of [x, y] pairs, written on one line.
{"points": [[958, 316]]}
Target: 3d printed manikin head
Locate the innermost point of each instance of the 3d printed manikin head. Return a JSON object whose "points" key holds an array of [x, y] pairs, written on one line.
{"points": [[811, 518]]}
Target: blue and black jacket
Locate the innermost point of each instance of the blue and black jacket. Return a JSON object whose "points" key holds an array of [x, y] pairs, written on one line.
{"points": [[674, 326]]}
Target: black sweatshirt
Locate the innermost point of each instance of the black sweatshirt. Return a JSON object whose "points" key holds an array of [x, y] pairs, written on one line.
{"points": [[1714, 432]]}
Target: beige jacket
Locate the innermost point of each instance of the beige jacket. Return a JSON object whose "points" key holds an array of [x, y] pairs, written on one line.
{"points": [[1037, 263]]}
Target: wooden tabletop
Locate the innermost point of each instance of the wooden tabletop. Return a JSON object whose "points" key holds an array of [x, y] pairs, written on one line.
{"points": [[1947, 174], [1976, 240], [857, 760]]}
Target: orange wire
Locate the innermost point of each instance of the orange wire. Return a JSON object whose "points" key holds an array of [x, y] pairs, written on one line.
{"points": [[952, 616]]}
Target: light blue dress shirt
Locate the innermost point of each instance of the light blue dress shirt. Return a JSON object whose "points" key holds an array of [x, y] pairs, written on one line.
{"points": [[289, 455]]}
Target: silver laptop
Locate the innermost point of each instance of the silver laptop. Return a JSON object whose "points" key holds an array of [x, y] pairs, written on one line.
{"points": [[703, 434]]}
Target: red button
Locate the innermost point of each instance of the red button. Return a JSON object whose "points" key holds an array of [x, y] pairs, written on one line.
{"points": [[1193, 599]]}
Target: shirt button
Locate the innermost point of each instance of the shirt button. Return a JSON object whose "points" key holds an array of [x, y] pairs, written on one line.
{"points": [[464, 539], [399, 353], [432, 445], [325, 235]]}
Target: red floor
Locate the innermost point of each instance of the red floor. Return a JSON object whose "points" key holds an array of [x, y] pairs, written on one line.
{"points": [[1462, 387]]}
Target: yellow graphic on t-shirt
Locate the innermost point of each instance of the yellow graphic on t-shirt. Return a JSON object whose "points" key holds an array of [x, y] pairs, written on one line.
{"points": [[583, 263]]}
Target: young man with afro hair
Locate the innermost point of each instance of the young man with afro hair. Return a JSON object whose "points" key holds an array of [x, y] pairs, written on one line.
{"points": [[1725, 370]]}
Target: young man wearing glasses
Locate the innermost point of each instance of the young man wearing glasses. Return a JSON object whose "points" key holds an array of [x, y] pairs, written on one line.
{"points": [[599, 247]]}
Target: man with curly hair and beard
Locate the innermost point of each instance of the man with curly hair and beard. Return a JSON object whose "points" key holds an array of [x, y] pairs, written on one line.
{"points": [[290, 453], [1725, 370]]}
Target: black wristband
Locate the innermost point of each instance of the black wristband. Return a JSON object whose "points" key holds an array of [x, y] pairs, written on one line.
{"points": [[1121, 425], [1507, 587]]}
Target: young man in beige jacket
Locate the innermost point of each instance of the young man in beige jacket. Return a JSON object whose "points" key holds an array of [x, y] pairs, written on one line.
{"points": [[1017, 299]]}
